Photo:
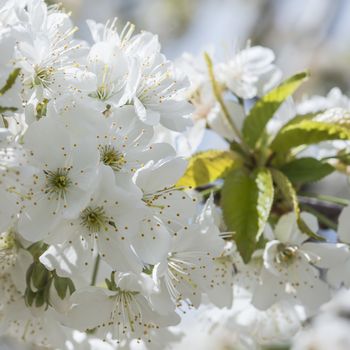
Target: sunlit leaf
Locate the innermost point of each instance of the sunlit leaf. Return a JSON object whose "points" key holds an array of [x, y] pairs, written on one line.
{"points": [[255, 123], [207, 167], [308, 132]]}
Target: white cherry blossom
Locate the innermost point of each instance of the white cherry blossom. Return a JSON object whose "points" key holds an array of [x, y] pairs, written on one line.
{"points": [[64, 176], [338, 275], [123, 311], [190, 269], [291, 265], [250, 72], [105, 226], [44, 49]]}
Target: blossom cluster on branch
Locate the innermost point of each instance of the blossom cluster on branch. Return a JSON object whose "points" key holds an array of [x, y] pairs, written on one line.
{"points": [[107, 232]]}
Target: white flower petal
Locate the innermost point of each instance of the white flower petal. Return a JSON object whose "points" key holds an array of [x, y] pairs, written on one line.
{"points": [[327, 254], [90, 307], [38, 220], [52, 134], [116, 250], [268, 292], [152, 243], [155, 176], [344, 225]]}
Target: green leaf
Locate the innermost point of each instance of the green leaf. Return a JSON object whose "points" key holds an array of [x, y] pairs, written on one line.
{"points": [[37, 249], [308, 132], [306, 170], [47, 293], [255, 123], [29, 296], [299, 118], [336, 115], [63, 285], [40, 298], [39, 276], [288, 192], [209, 166], [71, 286], [264, 183], [246, 201], [29, 275], [10, 81]]}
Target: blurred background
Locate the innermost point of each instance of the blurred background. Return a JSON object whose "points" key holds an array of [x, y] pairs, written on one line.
{"points": [[311, 34]]}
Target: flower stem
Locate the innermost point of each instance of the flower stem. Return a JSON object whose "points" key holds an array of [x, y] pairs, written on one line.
{"points": [[327, 198], [217, 94], [95, 271], [322, 218]]}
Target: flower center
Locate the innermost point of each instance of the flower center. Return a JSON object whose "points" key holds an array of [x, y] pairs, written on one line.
{"points": [[286, 254], [57, 182], [43, 76], [94, 219], [111, 157], [103, 93]]}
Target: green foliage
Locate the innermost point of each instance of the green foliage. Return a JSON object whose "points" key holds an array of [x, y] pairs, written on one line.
{"points": [[40, 276], [266, 107], [37, 249], [299, 118], [287, 190], [307, 132], [207, 167], [336, 115], [40, 280], [264, 183], [306, 170], [246, 202], [259, 174], [63, 286]]}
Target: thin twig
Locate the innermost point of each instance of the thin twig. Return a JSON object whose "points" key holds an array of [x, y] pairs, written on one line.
{"points": [[327, 198], [322, 218], [217, 94]]}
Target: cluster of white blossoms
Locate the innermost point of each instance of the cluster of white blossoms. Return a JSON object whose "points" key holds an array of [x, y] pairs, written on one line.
{"points": [[283, 286], [247, 75], [100, 244], [95, 235], [291, 276]]}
